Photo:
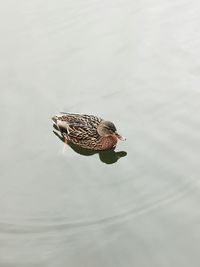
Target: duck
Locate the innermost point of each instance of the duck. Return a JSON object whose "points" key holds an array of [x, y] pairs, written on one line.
{"points": [[87, 131]]}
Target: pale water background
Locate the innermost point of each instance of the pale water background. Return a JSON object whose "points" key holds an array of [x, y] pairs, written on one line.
{"points": [[136, 63]]}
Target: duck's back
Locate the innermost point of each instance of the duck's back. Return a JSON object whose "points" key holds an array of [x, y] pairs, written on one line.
{"points": [[80, 129]]}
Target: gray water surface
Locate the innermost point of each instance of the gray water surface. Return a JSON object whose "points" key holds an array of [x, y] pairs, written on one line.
{"points": [[135, 63]]}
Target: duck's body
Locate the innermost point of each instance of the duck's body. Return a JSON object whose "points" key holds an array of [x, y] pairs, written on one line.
{"points": [[87, 131]]}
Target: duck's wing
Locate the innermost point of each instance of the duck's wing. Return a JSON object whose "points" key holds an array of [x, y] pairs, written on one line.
{"points": [[75, 117], [79, 127]]}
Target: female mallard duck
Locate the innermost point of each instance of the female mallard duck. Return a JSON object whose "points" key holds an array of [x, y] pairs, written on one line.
{"points": [[87, 131]]}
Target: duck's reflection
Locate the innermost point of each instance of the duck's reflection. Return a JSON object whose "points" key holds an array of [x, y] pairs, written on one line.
{"points": [[107, 156]]}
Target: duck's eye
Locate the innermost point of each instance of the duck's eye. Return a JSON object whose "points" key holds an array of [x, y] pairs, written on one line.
{"points": [[111, 130]]}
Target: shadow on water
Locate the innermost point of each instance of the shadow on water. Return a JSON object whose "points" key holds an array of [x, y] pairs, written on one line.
{"points": [[107, 156]]}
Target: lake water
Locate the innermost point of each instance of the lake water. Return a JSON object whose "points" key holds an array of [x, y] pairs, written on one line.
{"points": [[135, 63]]}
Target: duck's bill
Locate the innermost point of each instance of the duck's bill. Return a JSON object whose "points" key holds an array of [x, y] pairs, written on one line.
{"points": [[122, 138]]}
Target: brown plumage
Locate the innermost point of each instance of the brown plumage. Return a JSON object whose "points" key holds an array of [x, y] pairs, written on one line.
{"points": [[87, 131]]}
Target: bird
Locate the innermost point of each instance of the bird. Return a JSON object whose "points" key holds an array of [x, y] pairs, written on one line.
{"points": [[87, 131]]}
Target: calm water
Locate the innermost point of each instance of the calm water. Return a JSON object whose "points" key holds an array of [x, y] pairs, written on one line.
{"points": [[135, 63]]}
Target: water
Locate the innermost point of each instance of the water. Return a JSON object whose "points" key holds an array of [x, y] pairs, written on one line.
{"points": [[134, 63]]}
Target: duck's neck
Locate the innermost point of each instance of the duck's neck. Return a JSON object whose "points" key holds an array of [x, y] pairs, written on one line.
{"points": [[108, 141]]}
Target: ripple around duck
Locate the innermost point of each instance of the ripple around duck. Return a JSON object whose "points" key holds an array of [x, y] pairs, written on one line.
{"points": [[45, 228], [159, 151]]}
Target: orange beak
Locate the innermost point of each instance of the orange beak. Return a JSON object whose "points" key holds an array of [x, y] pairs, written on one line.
{"points": [[122, 138]]}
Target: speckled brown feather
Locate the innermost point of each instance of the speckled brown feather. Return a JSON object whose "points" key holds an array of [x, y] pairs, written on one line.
{"points": [[80, 130]]}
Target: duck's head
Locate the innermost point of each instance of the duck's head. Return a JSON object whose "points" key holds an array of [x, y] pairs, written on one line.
{"points": [[107, 128]]}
